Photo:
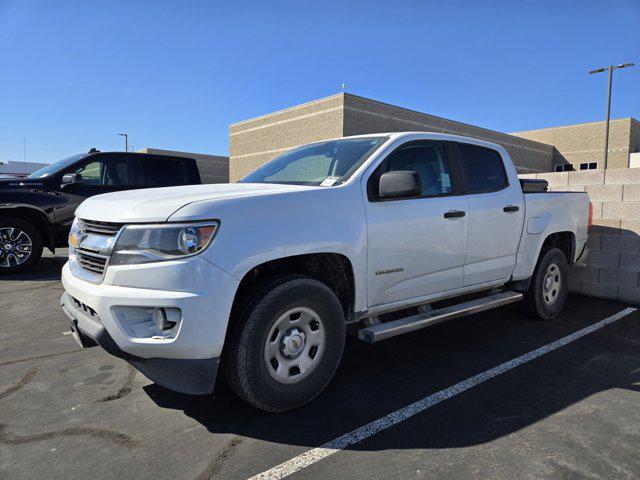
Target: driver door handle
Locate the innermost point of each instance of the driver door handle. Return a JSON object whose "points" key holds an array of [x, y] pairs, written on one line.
{"points": [[454, 214], [511, 208]]}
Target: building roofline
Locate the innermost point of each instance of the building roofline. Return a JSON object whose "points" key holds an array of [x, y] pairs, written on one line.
{"points": [[288, 109], [178, 153], [445, 119], [378, 102], [574, 125]]}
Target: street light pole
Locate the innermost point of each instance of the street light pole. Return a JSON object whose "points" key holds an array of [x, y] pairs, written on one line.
{"points": [[126, 141], [606, 128], [610, 68]]}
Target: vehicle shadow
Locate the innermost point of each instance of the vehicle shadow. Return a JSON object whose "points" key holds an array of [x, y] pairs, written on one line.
{"points": [[374, 380], [48, 268]]}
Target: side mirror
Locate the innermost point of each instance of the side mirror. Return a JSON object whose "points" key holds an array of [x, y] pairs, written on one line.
{"points": [[71, 178], [400, 184]]}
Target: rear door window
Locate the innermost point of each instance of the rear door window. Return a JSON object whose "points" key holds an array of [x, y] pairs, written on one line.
{"points": [[482, 168]]}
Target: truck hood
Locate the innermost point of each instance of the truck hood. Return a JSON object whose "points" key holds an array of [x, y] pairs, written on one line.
{"points": [[158, 204]]}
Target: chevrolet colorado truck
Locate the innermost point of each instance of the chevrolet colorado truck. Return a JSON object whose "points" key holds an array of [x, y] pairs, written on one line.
{"points": [[263, 278], [37, 211]]}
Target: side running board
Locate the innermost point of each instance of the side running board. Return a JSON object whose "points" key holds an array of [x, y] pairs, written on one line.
{"points": [[382, 331]]}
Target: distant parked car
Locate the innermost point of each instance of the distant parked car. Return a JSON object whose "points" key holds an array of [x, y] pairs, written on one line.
{"points": [[37, 211]]}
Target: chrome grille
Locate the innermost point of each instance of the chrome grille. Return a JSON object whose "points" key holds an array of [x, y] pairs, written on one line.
{"points": [[94, 243], [108, 229], [92, 261]]}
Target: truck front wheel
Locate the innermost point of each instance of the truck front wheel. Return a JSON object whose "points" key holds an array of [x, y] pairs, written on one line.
{"points": [[286, 345], [20, 245], [548, 287]]}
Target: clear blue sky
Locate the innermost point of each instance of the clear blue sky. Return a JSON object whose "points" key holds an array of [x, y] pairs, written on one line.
{"points": [[175, 74]]}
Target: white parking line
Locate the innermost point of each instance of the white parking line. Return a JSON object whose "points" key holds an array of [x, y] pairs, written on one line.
{"points": [[334, 446]]}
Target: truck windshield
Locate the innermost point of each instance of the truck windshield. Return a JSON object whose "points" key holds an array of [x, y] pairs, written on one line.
{"points": [[56, 167], [324, 163]]}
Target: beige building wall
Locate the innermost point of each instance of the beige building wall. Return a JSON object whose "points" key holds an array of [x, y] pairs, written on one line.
{"points": [[363, 115], [253, 142], [584, 143], [213, 168]]}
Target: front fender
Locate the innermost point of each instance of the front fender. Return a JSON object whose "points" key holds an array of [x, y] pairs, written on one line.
{"points": [[37, 202], [258, 229], [35, 207]]}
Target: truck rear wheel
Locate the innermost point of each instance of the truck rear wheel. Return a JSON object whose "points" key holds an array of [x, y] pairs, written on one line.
{"points": [[20, 245], [548, 288], [287, 344]]}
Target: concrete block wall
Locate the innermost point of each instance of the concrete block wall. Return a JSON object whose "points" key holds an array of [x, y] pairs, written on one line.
{"points": [[612, 269]]}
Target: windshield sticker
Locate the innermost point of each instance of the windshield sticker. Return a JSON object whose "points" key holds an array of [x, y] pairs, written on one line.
{"points": [[329, 181]]}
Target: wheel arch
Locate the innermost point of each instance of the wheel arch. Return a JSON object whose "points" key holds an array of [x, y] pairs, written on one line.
{"points": [[333, 269], [34, 216], [565, 241]]}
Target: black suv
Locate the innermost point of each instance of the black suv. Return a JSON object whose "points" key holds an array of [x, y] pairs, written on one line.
{"points": [[37, 211]]}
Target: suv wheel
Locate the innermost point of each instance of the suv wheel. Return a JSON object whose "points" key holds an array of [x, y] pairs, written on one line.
{"points": [[20, 245], [548, 288], [287, 344]]}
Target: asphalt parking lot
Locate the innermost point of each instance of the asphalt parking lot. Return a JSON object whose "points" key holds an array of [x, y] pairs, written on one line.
{"points": [[572, 412]]}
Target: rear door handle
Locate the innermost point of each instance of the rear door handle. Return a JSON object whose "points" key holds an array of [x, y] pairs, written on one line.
{"points": [[511, 208], [454, 214]]}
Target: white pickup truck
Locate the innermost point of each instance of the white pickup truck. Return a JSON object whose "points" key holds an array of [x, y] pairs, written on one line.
{"points": [[264, 277]]}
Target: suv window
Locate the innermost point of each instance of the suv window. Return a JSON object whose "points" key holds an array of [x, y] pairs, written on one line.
{"points": [[427, 158], [158, 172], [91, 173], [482, 168], [104, 171]]}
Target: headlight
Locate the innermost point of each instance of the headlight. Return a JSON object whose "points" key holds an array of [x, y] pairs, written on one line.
{"points": [[157, 243], [74, 235]]}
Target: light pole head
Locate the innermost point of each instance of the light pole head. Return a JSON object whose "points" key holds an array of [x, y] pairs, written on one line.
{"points": [[625, 65], [126, 141], [598, 70]]}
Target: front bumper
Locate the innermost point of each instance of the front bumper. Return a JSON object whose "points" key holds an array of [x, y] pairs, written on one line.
{"points": [[191, 376], [187, 361]]}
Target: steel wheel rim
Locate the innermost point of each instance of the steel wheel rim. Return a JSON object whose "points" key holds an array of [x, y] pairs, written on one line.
{"points": [[15, 247], [295, 345], [551, 284]]}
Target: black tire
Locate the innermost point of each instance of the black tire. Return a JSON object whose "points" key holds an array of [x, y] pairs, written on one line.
{"points": [[8, 266], [541, 302], [244, 363]]}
